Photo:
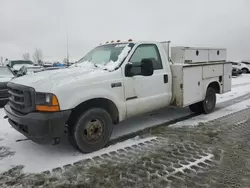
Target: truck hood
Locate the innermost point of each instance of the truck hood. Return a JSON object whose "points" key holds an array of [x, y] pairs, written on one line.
{"points": [[5, 79], [47, 80]]}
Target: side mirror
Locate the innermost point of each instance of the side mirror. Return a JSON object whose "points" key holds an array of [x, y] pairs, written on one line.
{"points": [[128, 68], [147, 68]]}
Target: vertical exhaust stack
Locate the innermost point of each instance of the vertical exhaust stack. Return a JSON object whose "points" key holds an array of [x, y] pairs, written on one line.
{"points": [[166, 45]]}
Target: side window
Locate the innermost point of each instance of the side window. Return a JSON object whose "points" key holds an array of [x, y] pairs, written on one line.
{"points": [[147, 51]]}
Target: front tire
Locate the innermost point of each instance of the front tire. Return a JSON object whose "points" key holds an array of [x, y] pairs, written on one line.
{"points": [[244, 71], [92, 130]]}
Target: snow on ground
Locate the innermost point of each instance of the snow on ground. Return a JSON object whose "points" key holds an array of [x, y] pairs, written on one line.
{"points": [[236, 91], [38, 158], [240, 80], [215, 115], [240, 86]]}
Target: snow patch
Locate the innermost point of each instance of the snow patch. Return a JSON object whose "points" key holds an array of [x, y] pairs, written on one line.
{"points": [[110, 66], [234, 93], [244, 78], [215, 115], [113, 65], [84, 64]]}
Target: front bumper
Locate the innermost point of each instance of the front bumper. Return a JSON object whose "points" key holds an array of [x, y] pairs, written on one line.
{"points": [[42, 128]]}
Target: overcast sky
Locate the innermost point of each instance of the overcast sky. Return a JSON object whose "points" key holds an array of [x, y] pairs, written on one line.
{"points": [[29, 24]]}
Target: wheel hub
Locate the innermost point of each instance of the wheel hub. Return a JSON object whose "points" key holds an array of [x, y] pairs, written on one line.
{"points": [[93, 130]]}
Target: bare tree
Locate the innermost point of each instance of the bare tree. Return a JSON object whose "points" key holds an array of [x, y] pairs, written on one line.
{"points": [[26, 56], [38, 56]]}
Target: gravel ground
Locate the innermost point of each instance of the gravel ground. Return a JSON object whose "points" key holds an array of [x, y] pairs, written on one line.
{"points": [[215, 154]]}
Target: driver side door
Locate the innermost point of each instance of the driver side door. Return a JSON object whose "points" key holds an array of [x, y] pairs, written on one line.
{"points": [[146, 93]]}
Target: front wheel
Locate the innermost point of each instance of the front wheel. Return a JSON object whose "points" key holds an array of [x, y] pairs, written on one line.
{"points": [[92, 130], [244, 71]]}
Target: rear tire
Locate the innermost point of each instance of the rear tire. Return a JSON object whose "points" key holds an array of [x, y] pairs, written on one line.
{"points": [[91, 131], [206, 106], [209, 102]]}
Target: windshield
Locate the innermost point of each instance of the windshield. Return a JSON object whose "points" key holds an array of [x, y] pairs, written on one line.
{"points": [[5, 72], [111, 55], [12, 63]]}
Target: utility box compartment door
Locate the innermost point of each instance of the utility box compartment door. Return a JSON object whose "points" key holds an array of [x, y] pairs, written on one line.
{"points": [[187, 85], [217, 55], [227, 78], [210, 71], [192, 85], [190, 82], [191, 55], [196, 56]]}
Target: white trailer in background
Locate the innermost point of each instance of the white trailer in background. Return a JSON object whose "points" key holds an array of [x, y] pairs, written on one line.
{"points": [[114, 82]]}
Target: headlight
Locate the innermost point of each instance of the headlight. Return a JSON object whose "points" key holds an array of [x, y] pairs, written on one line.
{"points": [[47, 102]]}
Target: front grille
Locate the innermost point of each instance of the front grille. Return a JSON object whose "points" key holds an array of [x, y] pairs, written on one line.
{"points": [[21, 98], [4, 93], [3, 85]]}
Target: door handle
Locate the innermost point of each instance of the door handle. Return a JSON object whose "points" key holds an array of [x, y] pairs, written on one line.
{"points": [[165, 78]]}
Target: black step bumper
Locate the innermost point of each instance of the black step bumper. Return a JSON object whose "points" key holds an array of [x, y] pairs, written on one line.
{"points": [[42, 128]]}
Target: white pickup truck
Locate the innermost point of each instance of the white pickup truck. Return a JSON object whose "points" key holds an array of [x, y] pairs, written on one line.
{"points": [[113, 82]]}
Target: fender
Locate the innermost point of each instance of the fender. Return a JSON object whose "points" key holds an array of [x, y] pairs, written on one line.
{"points": [[79, 97]]}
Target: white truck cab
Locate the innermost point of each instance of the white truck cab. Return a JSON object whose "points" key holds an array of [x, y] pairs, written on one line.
{"points": [[111, 83]]}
